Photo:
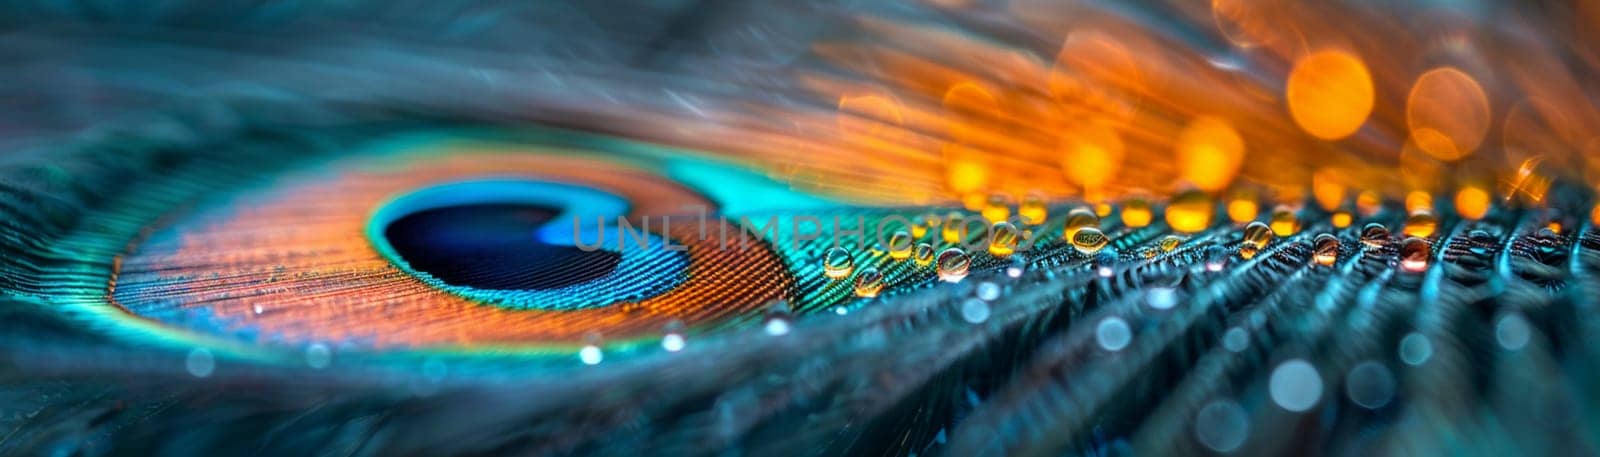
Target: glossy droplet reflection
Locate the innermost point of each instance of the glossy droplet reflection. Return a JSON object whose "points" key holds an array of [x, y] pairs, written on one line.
{"points": [[997, 207], [1003, 237], [1033, 210], [1077, 219], [953, 265], [1089, 240], [921, 225], [836, 264], [1414, 254], [900, 245], [1285, 222], [1374, 235], [1136, 212], [1256, 235], [1420, 224], [923, 254], [877, 249], [1190, 211], [869, 282], [1169, 242], [1325, 249], [950, 232]]}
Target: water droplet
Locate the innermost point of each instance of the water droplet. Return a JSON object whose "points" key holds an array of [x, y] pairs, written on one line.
{"points": [[318, 356], [1190, 211], [1236, 339], [1295, 385], [1420, 224], [1089, 240], [672, 336], [1370, 385], [974, 311], [953, 264], [923, 254], [900, 245], [1136, 212], [1255, 236], [1033, 210], [954, 224], [997, 207], [1415, 349], [1003, 239], [1374, 235], [1113, 334], [1512, 331], [836, 263], [1325, 249], [1170, 242], [869, 282], [1105, 272], [200, 363], [1284, 222], [877, 249], [1079, 218], [1414, 254], [1222, 426]]}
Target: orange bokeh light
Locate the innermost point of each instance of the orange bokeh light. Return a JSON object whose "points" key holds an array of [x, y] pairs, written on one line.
{"points": [[1448, 113], [1330, 94], [1209, 153]]}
